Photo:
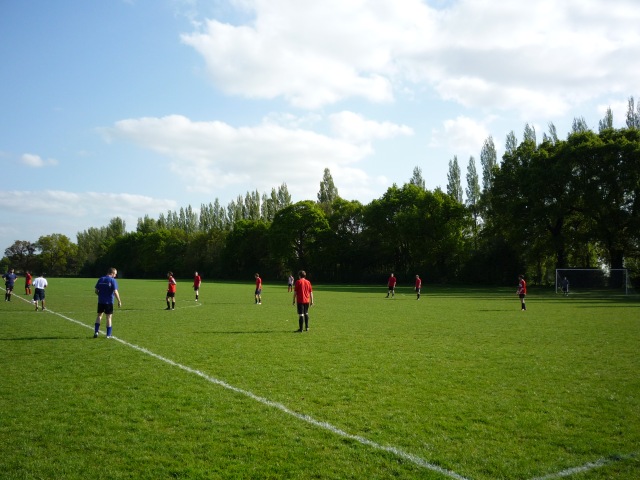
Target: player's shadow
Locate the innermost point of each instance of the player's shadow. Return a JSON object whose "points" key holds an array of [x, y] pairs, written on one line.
{"points": [[22, 339]]}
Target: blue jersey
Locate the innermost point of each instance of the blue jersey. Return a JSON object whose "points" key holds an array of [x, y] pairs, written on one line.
{"points": [[105, 287], [10, 279]]}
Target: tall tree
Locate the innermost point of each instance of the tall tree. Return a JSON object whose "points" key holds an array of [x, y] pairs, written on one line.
{"points": [[511, 143], [284, 199], [530, 134], [488, 160], [416, 178], [633, 115], [146, 225], [454, 184], [328, 192], [607, 122], [579, 125], [553, 134], [473, 194]]}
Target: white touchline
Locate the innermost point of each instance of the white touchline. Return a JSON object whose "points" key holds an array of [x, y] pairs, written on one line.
{"points": [[327, 426], [586, 467]]}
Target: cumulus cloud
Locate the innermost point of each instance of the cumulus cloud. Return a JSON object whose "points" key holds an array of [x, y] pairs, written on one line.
{"points": [[86, 205], [541, 58], [36, 161], [355, 128], [212, 155], [462, 134], [67, 213]]}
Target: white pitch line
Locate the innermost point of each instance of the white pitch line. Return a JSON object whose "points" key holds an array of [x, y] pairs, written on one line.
{"points": [[586, 467]]}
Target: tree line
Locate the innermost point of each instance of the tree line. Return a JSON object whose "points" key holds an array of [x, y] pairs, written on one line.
{"points": [[546, 205]]}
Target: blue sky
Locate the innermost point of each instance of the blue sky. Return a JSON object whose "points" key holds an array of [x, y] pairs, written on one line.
{"points": [[131, 107]]}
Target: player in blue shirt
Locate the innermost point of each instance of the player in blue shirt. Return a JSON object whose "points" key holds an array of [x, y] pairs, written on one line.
{"points": [[106, 289], [9, 282]]}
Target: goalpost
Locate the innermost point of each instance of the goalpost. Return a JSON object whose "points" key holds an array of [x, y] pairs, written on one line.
{"points": [[609, 280]]}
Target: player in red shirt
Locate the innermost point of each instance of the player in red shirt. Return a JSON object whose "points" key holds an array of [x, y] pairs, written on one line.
{"points": [[418, 286], [27, 283], [258, 294], [171, 292], [522, 291], [303, 296], [197, 280], [392, 286]]}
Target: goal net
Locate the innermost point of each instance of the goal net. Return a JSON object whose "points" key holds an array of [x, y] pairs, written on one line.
{"points": [[592, 280]]}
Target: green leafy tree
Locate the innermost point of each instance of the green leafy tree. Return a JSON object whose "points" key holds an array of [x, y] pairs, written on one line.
{"points": [[244, 254], [416, 178], [21, 255], [608, 174], [489, 161], [607, 122], [454, 184], [633, 115], [344, 255], [294, 236], [57, 254], [473, 194], [328, 192]]}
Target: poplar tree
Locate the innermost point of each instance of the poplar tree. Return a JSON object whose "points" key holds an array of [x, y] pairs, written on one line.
{"points": [[454, 186]]}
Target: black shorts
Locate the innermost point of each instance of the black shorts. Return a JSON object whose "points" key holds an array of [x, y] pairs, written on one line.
{"points": [[303, 308], [171, 294], [39, 294], [105, 308]]}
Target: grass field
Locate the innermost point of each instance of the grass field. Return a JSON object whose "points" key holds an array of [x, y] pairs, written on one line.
{"points": [[460, 384]]}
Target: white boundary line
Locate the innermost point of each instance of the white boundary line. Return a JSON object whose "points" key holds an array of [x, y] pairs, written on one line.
{"points": [[586, 467], [420, 462]]}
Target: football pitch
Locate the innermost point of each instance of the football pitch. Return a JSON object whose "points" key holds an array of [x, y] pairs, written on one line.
{"points": [[457, 385]]}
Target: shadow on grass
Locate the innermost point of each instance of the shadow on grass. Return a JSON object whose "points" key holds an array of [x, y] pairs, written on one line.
{"points": [[21, 339]]}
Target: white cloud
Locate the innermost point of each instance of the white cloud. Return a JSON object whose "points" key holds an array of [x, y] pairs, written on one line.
{"points": [[95, 206], [210, 156], [541, 59], [355, 128], [36, 161], [462, 134]]}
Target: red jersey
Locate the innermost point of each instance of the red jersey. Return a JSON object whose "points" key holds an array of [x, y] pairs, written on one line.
{"points": [[392, 282], [258, 283], [197, 281], [27, 279], [172, 285], [522, 287], [418, 283], [303, 291]]}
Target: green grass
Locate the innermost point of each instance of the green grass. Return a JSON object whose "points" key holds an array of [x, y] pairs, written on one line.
{"points": [[460, 380]]}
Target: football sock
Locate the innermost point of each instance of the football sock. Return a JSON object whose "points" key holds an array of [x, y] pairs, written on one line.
{"points": [[97, 328], [306, 321], [168, 304], [300, 321], [109, 331]]}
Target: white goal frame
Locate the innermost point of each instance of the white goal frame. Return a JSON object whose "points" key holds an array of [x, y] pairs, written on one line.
{"points": [[560, 273]]}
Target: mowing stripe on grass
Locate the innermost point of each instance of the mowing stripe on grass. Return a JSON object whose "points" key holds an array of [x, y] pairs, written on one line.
{"points": [[327, 426]]}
